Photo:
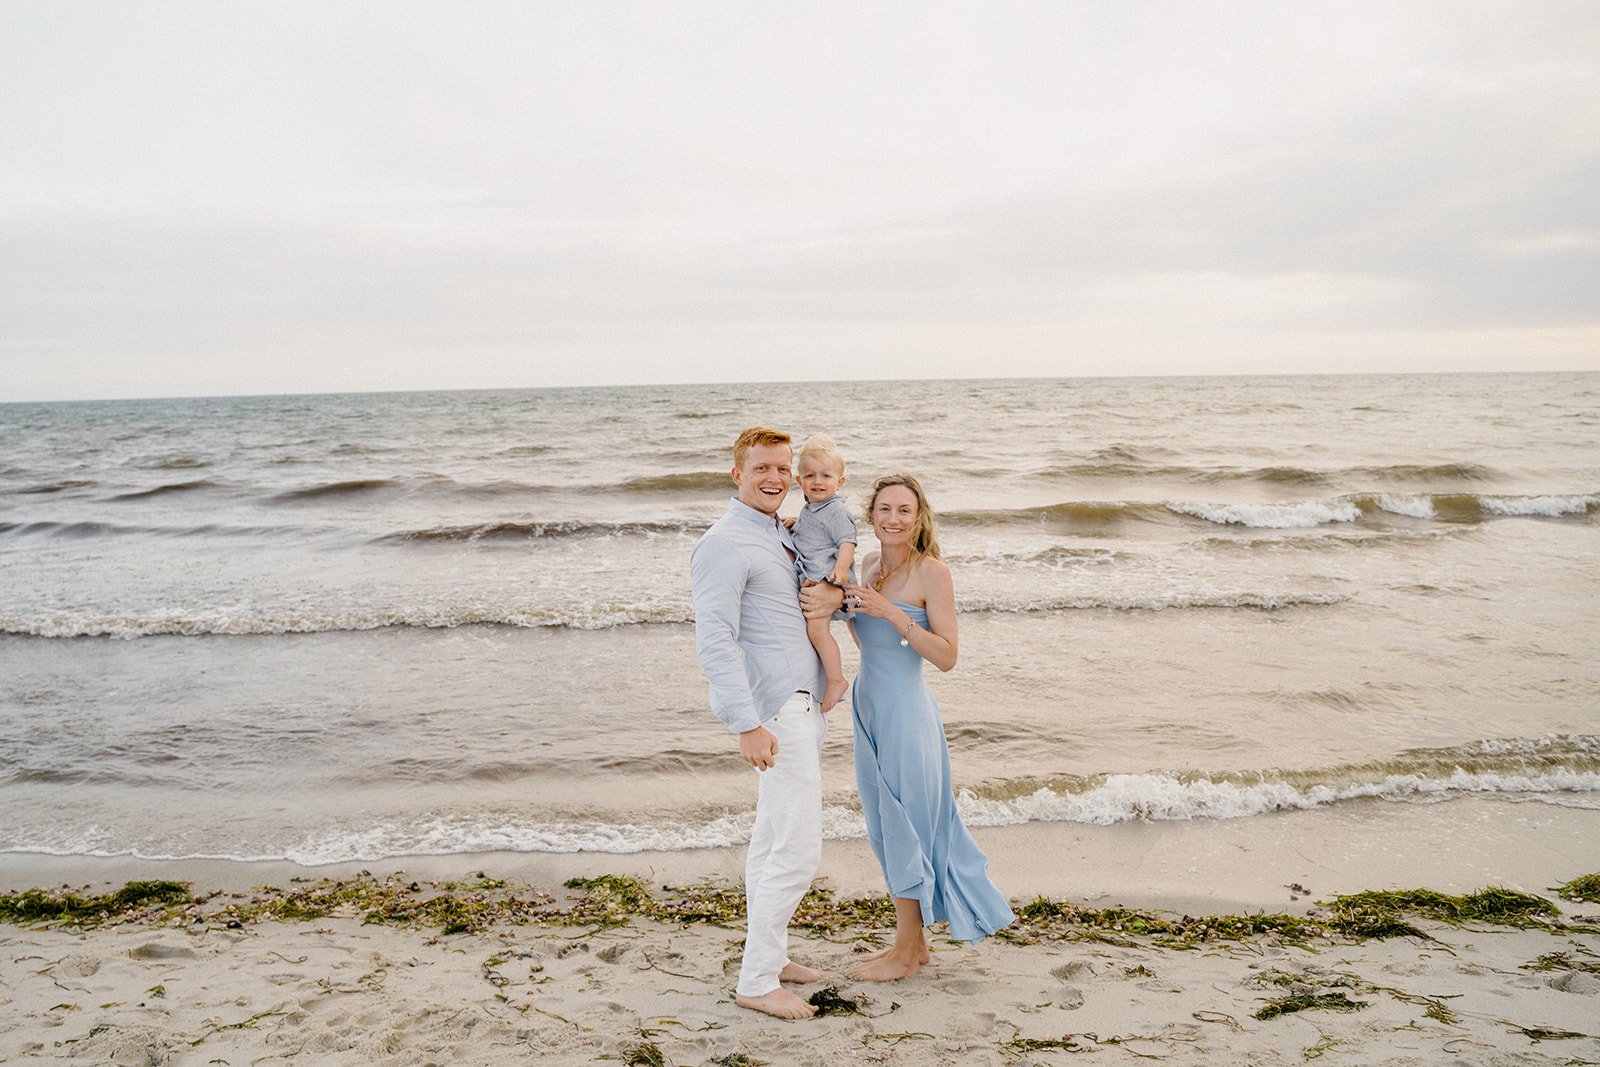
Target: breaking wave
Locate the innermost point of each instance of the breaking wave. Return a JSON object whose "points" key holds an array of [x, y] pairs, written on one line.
{"points": [[1555, 769]]}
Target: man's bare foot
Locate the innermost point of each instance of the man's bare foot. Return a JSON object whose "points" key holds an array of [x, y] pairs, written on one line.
{"points": [[800, 974], [890, 967], [835, 692], [779, 1003], [922, 957]]}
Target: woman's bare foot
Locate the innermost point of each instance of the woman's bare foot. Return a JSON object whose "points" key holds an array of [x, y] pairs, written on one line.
{"points": [[779, 1003], [837, 687], [922, 957], [889, 967], [800, 974]]}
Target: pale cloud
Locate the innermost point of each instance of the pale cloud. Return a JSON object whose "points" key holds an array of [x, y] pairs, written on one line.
{"points": [[204, 198]]}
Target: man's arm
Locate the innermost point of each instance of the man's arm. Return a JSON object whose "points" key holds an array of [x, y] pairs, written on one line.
{"points": [[717, 575]]}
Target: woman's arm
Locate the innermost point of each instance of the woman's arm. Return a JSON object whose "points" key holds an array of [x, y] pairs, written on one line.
{"points": [[936, 644], [939, 643]]}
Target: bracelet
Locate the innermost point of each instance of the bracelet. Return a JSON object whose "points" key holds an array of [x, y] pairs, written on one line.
{"points": [[905, 635]]}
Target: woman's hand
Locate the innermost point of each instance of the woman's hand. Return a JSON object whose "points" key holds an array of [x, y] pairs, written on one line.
{"points": [[865, 600]]}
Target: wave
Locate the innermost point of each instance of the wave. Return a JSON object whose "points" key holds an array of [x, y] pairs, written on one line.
{"points": [[85, 529], [175, 463], [63, 530], [446, 767], [522, 531], [1054, 557], [1296, 515], [600, 616], [445, 487], [1550, 506], [1256, 601], [693, 481], [1282, 515], [1067, 514], [1129, 463], [353, 487], [55, 487], [163, 490], [1554, 769]]}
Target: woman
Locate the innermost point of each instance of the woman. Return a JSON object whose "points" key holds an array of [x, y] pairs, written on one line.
{"points": [[905, 612]]}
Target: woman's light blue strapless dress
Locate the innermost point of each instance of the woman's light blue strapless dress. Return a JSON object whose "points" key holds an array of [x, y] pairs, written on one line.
{"points": [[903, 773]]}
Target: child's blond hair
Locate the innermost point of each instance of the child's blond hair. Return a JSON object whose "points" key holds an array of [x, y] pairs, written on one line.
{"points": [[820, 446]]}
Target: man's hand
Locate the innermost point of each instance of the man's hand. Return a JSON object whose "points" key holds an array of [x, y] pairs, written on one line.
{"points": [[759, 748], [819, 600]]}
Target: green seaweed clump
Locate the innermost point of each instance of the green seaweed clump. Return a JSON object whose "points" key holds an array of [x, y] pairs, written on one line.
{"points": [[1067, 1043], [1045, 919], [1495, 905], [1584, 887], [644, 1054], [1335, 1001], [1562, 961], [133, 899], [609, 900], [827, 1001]]}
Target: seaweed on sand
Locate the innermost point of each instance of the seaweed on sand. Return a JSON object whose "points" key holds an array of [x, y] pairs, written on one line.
{"points": [[1496, 905], [827, 1001], [1583, 887], [615, 900], [1334, 1001], [1050, 920], [645, 1053], [134, 900]]}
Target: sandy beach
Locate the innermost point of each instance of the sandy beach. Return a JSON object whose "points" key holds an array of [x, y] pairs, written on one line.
{"points": [[638, 966]]}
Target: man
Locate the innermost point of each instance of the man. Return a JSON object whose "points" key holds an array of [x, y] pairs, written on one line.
{"points": [[766, 684]]}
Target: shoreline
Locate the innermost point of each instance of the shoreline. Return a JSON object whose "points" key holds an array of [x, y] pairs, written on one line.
{"points": [[1211, 865]]}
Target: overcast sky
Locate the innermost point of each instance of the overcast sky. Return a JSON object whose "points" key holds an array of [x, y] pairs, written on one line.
{"points": [[272, 197]]}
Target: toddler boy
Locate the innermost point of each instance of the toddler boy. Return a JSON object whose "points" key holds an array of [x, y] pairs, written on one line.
{"points": [[825, 538]]}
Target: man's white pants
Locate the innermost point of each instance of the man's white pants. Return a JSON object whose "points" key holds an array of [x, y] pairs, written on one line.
{"points": [[786, 844]]}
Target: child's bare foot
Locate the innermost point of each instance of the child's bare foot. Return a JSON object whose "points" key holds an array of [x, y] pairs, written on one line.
{"points": [[779, 1003], [837, 687], [889, 967], [800, 974]]}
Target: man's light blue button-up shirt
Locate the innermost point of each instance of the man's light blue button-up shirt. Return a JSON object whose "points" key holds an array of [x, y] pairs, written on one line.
{"points": [[748, 629]]}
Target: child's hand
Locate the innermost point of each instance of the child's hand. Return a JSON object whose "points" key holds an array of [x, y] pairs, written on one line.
{"points": [[788, 524], [840, 576]]}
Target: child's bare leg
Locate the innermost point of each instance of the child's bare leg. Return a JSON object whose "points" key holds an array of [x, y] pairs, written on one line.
{"points": [[828, 651]]}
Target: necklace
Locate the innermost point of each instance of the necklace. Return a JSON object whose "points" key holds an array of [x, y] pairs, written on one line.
{"points": [[883, 579]]}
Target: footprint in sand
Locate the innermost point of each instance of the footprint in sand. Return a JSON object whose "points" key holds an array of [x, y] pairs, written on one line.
{"points": [[77, 965], [1069, 971], [612, 953], [965, 987], [161, 950], [1580, 982]]}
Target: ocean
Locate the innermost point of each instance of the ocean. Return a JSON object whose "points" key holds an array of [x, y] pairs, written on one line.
{"points": [[357, 627]]}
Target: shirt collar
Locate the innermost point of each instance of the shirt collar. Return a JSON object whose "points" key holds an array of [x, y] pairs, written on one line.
{"points": [[745, 513]]}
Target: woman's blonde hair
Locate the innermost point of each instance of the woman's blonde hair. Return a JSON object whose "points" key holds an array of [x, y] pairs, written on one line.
{"points": [[924, 543]]}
